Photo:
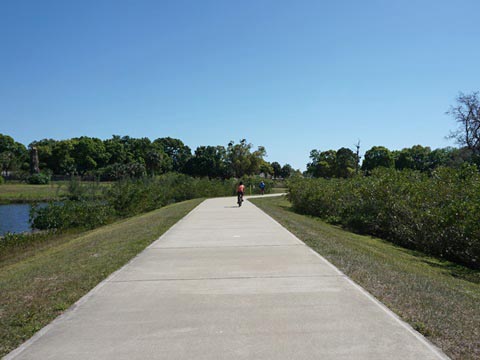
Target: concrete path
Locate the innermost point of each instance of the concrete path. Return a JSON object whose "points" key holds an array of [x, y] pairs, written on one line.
{"points": [[227, 283]]}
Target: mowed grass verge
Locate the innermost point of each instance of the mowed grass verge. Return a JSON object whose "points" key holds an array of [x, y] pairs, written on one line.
{"points": [[438, 298], [37, 288]]}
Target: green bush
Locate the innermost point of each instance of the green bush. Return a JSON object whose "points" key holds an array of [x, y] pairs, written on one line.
{"points": [[2, 180], [39, 179], [126, 197], [78, 190], [437, 214], [134, 196], [71, 214]]}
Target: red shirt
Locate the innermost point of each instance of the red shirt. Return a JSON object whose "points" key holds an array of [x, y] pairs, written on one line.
{"points": [[241, 188]]}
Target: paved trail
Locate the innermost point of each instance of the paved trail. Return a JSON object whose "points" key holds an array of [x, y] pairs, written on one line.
{"points": [[227, 283]]}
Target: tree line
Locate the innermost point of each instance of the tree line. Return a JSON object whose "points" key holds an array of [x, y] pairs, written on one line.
{"points": [[344, 163], [120, 157], [124, 156]]}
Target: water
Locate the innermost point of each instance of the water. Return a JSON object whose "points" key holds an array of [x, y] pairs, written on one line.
{"points": [[14, 218]]}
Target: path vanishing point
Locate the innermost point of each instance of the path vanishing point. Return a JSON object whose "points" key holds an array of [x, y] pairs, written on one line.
{"points": [[227, 283]]}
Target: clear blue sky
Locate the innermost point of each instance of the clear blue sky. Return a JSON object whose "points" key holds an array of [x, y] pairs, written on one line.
{"points": [[289, 75]]}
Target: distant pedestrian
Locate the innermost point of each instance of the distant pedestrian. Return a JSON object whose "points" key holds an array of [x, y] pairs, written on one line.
{"points": [[262, 187]]}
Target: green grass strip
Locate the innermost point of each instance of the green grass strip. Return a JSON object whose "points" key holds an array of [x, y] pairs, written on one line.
{"points": [[438, 298], [21, 193], [37, 288]]}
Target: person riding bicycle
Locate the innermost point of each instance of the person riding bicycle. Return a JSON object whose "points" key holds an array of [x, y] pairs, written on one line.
{"points": [[240, 193]]}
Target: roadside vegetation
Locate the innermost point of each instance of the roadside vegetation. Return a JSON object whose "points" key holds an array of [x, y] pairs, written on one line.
{"points": [[85, 206], [436, 213], [438, 298], [37, 285]]}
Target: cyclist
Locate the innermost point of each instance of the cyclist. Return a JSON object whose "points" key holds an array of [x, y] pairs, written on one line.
{"points": [[240, 192]]}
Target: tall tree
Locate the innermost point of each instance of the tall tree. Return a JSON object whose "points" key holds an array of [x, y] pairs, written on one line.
{"points": [[287, 171], [13, 155], [208, 161], [378, 156], [345, 163], [266, 168], [467, 115], [323, 163], [89, 154], [449, 157], [178, 152], [62, 160], [277, 169], [117, 152], [242, 161], [416, 158]]}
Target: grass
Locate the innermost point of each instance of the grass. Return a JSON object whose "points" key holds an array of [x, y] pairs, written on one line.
{"points": [[39, 284], [438, 298], [11, 192], [21, 193]]}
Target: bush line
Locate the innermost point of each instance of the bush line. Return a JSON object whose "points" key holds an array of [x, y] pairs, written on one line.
{"points": [[437, 213]]}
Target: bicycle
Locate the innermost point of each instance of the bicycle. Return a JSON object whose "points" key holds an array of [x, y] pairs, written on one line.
{"points": [[239, 199]]}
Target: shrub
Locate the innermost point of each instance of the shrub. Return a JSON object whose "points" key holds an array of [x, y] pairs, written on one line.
{"points": [[71, 214], [39, 179], [437, 214], [90, 190], [126, 197], [2, 180], [134, 196]]}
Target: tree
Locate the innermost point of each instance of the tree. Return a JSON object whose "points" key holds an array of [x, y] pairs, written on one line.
{"points": [[241, 161], [467, 115], [138, 148], [13, 155], [287, 171], [207, 161], [345, 163], [62, 161], [277, 169], [323, 163], [89, 154], [416, 158], [266, 168], [117, 152], [178, 152], [155, 161], [378, 156]]}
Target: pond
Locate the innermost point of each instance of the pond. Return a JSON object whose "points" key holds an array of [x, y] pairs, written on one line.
{"points": [[14, 218]]}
